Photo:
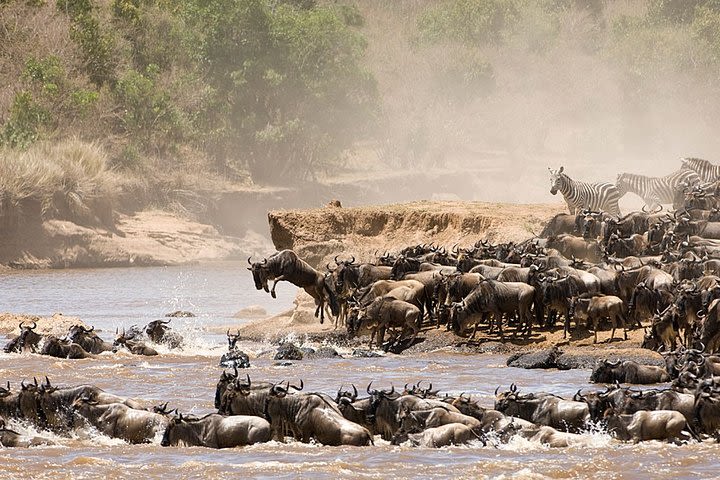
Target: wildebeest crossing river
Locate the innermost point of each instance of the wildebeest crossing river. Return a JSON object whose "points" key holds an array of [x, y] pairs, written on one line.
{"points": [[186, 380]]}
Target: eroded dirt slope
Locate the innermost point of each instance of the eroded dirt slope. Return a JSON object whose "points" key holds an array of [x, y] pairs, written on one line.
{"points": [[319, 234]]}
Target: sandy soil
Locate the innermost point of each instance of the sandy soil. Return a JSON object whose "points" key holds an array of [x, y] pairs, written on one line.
{"points": [[146, 238], [320, 234], [58, 324]]}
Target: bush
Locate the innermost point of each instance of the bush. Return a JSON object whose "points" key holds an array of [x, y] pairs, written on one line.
{"points": [[470, 22]]}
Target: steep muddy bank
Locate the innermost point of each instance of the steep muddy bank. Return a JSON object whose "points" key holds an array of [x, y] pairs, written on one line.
{"points": [[319, 234]]}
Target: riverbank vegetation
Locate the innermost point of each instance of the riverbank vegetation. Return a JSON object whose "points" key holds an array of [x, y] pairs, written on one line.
{"points": [[180, 96]]}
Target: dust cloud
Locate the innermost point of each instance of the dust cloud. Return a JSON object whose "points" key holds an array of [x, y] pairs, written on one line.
{"points": [[598, 90]]}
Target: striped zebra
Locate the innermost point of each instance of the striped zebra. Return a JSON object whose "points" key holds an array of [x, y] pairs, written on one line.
{"points": [[658, 190], [708, 172], [583, 195]]}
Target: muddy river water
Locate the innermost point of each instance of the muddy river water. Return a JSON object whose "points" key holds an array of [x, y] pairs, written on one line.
{"points": [[112, 298]]}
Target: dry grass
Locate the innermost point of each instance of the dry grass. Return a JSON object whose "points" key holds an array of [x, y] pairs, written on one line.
{"points": [[67, 174]]}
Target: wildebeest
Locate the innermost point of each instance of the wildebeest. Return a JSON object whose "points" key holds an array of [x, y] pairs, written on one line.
{"points": [[313, 415], [287, 266], [543, 409], [234, 358], [445, 435], [137, 347], [27, 340], [117, 420], [56, 347], [158, 332], [594, 308], [11, 438], [628, 372], [88, 339], [649, 425], [497, 298], [386, 312], [216, 431]]}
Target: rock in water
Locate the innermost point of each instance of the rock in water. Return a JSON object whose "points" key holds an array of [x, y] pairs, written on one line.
{"points": [[180, 313], [546, 358], [324, 352], [236, 359], [365, 353], [288, 351]]}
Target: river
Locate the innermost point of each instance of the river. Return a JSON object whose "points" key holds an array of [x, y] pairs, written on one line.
{"points": [[116, 298]]}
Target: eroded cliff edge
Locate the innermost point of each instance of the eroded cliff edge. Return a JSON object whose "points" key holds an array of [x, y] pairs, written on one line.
{"points": [[319, 234]]}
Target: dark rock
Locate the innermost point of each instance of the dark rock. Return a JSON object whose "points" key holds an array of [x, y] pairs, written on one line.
{"points": [[282, 364], [324, 352], [288, 351], [573, 360], [365, 353], [235, 359], [180, 313], [546, 358]]}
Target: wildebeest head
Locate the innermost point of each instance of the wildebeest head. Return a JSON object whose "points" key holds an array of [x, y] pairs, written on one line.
{"points": [[156, 330], [404, 265], [28, 337], [502, 400], [344, 274], [173, 434], [555, 179], [346, 396], [354, 320], [604, 372], [77, 333], [232, 339], [260, 274]]}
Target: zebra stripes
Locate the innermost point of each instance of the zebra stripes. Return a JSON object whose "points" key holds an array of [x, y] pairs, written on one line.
{"points": [[707, 171], [658, 190], [583, 195]]}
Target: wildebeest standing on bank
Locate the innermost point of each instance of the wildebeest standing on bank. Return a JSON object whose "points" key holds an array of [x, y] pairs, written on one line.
{"points": [[286, 265]]}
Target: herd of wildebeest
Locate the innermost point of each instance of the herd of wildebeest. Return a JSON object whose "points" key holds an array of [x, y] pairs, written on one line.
{"points": [[656, 270]]}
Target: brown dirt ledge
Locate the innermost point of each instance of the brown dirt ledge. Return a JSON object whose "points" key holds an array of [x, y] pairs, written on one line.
{"points": [[317, 235]]}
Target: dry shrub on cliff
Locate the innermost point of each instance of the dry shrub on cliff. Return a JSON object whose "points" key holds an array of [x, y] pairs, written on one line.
{"points": [[69, 179]]}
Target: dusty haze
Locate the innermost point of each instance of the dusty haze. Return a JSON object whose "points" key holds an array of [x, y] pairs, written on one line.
{"points": [[567, 88]]}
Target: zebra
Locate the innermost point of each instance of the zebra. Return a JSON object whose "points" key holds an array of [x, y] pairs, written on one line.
{"points": [[707, 171], [659, 190], [583, 195]]}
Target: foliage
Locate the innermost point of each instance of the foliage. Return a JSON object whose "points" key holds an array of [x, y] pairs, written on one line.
{"points": [[468, 21]]}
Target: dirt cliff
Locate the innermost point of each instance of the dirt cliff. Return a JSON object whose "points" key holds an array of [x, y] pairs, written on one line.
{"points": [[319, 234]]}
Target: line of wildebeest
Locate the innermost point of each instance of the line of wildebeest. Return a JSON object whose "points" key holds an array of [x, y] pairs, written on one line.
{"points": [[255, 412]]}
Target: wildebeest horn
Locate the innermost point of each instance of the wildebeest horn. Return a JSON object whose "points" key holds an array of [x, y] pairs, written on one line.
{"points": [[302, 385], [264, 261], [368, 388], [34, 325], [643, 209], [35, 380], [47, 381], [513, 387], [496, 390], [22, 384], [249, 262], [352, 259], [355, 393], [577, 395], [20, 325]]}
